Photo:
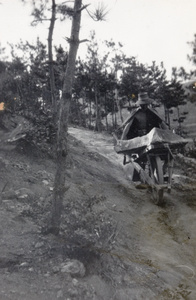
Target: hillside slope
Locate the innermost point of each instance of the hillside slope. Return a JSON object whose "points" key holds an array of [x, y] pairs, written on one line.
{"points": [[114, 242]]}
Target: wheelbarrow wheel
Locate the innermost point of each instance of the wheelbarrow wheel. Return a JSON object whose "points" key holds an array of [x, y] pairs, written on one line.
{"points": [[157, 195], [158, 170], [157, 191]]}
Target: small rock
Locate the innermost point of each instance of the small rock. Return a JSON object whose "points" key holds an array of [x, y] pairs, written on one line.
{"points": [[31, 269], [74, 268], [24, 264], [23, 196], [45, 175], [39, 245], [24, 193], [75, 282], [45, 182]]}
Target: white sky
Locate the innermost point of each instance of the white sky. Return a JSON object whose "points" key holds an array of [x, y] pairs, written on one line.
{"points": [[151, 30]]}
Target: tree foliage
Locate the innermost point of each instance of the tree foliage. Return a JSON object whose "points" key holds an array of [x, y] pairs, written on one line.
{"points": [[98, 90], [104, 82]]}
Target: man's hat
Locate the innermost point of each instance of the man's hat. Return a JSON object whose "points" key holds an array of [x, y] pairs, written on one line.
{"points": [[143, 99]]}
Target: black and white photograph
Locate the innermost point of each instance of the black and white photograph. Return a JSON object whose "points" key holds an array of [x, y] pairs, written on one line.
{"points": [[97, 150]]}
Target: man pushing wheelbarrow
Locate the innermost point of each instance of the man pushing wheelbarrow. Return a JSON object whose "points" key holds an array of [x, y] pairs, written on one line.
{"points": [[148, 145]]}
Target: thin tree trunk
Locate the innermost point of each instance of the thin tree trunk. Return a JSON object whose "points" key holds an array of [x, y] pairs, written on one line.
{"points": [[179, 124], [118, 105], [90, 114], [106, 118], [96, 111], [113, 116], [97, 120], [62, 136], [50, 56], [115, 119]]}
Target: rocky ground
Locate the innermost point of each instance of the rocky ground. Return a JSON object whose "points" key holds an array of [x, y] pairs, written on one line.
{"points": [[115, 243]]}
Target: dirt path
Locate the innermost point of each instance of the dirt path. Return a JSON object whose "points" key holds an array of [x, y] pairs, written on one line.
{"points": [[163, 236]]}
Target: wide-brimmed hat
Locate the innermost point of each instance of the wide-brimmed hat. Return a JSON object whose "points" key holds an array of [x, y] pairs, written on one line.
{"points": [[143, 99]]}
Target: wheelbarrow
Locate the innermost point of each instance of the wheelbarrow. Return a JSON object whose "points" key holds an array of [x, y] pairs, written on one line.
{"points": [[152, 157]]}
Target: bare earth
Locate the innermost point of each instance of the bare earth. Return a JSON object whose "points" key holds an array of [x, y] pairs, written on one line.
{"points": [[115, 243]]}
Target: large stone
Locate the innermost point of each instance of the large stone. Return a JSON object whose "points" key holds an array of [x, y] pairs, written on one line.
{"points": [[24, 193], [73, 267]]}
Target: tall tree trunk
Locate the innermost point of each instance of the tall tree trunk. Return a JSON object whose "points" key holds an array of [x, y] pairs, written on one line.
{"points": [[113, 116], [115, 120], [179, 123], [116, 94], [50, 56], [97, 118], [106, 116], [62, 136], [118, 105], [90, 114]]}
